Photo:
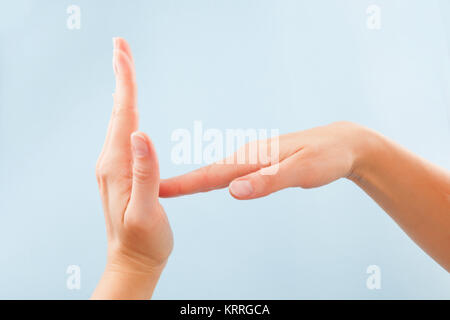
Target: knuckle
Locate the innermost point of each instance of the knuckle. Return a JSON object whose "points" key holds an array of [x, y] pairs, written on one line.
{"points": [[100, 171], [141, 173], [122, 110], [108, 170], [306, 171], [205, 173], [210, 177]]}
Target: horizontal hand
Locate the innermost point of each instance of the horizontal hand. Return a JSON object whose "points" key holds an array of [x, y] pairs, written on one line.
{"points": [[414, 192], [307, 159]]}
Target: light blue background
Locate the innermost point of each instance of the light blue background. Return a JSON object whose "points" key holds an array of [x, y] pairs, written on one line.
{"points": [[231, 64]]}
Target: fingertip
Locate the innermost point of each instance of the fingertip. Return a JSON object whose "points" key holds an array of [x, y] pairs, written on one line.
{"points": [[123, 67], [231, 194], [139, 135], [141, 140], [121, 44], [241, 189], [126, 87], [149, 141], [140, 145]]}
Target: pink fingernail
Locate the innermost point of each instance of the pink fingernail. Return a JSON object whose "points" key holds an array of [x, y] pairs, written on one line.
{"points": [[241, 188], [114, 55], [140, 147]]}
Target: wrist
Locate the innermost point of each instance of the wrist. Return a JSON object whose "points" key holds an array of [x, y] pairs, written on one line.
{"points": [[119, 284], [132, 263], [126, 277], [366, 150]]}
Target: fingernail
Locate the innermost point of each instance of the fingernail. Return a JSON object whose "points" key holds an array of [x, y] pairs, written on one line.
{"points": [[140, 147], [114, 55], [241, 188]]}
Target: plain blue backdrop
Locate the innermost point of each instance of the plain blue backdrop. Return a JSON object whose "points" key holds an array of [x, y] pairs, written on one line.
{"points": [[284, 64]]}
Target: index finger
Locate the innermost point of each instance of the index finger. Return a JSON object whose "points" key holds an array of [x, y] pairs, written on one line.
{"points": [[124, 119], [211, 177], [218, 175]]}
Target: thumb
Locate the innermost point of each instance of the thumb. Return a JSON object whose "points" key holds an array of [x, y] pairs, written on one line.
{"points": [[263, 182], [145, 187]]}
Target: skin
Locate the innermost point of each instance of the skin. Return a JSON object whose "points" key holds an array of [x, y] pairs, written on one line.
{"points": [[139, 236], [414, 192]]}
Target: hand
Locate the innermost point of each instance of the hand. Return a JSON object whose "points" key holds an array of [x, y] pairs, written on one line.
{"points": [[414, 192], [138, 232], [307, 159]]}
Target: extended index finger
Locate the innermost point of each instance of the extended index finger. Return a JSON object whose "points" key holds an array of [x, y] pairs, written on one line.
{"points": [[211, 177], [218, 175], [124, 119]]}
